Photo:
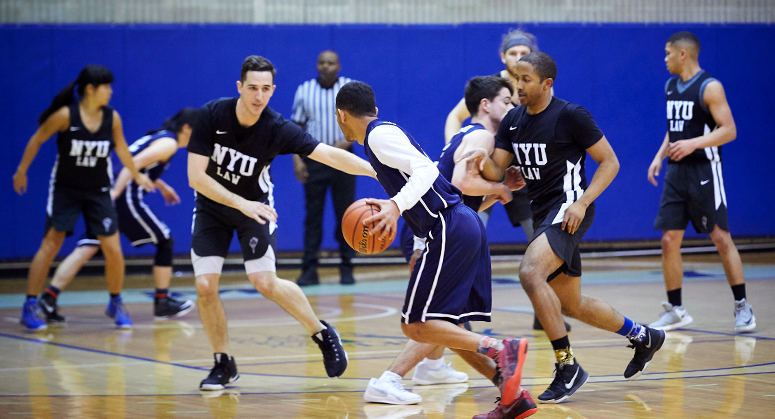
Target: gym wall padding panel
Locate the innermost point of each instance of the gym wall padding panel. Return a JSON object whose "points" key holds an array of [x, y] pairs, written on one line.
{"points": [[418, 73]]}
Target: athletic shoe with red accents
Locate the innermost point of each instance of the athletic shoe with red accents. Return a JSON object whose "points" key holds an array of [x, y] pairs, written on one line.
{"points": [[522, 407], [510, 360]]}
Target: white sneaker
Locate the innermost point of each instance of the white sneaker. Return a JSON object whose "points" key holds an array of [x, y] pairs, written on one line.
{"points": [[423, 375], [744, 318], [672, 318], [389, 392]]}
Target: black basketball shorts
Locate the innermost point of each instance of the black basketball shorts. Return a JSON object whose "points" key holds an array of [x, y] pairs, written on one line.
{"points": [[66, 204], [564, 244]]}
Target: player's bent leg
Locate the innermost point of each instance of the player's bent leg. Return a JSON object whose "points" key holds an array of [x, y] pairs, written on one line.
{"points": [[674, 315], [164, 305], [63, 275], [36, 277], [433, 369], [211, 311], [510, 353], [536, 266], [733, 267]]}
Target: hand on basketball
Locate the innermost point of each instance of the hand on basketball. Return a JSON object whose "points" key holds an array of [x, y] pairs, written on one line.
{"points": [[386, 218], [654, 169], [680, 149], [258, 211], [514, 179], [20, 182], [574, 215]]}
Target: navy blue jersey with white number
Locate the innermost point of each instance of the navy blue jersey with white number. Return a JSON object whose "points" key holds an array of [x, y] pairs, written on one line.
{"points": [[550, 151], [441, 195], [446, 162], [240, 157], [83, 157]]}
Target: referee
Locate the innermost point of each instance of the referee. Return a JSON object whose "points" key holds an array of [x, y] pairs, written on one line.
{"points": [[314, 111]]}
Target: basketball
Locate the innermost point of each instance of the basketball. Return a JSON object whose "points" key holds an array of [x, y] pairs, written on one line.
{"points": [[357, 235]]}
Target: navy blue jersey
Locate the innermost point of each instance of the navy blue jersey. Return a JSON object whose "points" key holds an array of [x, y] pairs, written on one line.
{"points": [[689, 117], [240, 157], [446, 162], [550, 151], [153, 170], [422, 216], [83, 157]]}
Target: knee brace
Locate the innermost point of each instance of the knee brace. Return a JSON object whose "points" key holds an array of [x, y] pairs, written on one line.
{"points": [[164, 252]]}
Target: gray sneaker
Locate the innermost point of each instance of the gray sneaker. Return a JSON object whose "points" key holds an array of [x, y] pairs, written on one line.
{"points": [[672, 318], [744, 318]]}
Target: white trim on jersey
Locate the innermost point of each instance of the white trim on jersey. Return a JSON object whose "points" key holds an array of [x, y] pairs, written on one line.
{"points": [[266, 185], [572, 187], [414, 288], [472, 313], [51, 185], [438, 269]]}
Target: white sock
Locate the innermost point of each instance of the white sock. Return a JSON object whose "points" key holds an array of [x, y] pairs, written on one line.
{"points": [[434, 364], [390, 376]]}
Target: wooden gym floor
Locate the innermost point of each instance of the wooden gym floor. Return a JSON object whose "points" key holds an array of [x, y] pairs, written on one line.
{"points": [[88, 369]]}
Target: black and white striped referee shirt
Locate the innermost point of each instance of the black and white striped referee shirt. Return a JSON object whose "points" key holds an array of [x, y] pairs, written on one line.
{"points": [[315, 106]]}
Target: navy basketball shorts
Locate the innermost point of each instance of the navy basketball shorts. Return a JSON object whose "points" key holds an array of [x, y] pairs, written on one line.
{"points": [[452, 279], [564, 244], [65, 205], [136, 221], [694, 191], [213, 227]]}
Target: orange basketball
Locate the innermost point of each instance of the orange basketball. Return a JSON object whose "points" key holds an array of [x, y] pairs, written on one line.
{"points": [[356, 234]]}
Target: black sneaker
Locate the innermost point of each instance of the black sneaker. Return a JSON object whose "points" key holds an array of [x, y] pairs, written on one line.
{"points": [[334, 355], [567, 379], [168, 307], [309, 277], [644, 351], [48, 306], [224, 372], [538, 326]]}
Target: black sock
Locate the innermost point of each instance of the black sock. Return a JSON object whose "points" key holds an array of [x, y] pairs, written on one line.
{"points": [[674, 297], [53, 291], [497, 379], [114, 296], [161, 293], [739, 291], [32, 296], [221, 357], [562, 350]]}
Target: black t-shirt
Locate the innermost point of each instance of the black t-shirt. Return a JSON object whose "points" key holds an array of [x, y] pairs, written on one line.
{"points": [[550, 150], [240, 156]]}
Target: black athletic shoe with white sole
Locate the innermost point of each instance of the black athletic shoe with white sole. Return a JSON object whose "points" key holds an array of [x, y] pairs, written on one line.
{"points": [[567, 379], [168, 307], [224, 372], [644, 351], [334, 355]]}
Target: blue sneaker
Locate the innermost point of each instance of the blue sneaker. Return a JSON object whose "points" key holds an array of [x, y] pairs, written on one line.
{"points": [[30, 317], [116, 311]]}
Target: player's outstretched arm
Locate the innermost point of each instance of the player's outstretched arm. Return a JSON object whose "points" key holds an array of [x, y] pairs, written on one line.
{"points": [[58, 121], [342, 160], [122, 151], [725, 131], [159, 150], [201, 182], [455, 120]]}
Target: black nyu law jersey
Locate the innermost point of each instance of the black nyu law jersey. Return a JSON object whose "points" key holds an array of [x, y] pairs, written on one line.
{"points": [[550, 151], [240, 156], [83, 157], [688, 116]]}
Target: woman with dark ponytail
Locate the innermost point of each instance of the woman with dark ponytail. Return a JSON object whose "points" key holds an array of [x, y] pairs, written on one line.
{"points": [[136, 221], [87, 130]]}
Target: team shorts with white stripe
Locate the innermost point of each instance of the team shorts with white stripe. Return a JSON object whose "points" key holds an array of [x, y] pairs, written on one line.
{"points": [[136, 221], [452, 279], [211, 234], [694, 191], [564, 244], [65, 205]]}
